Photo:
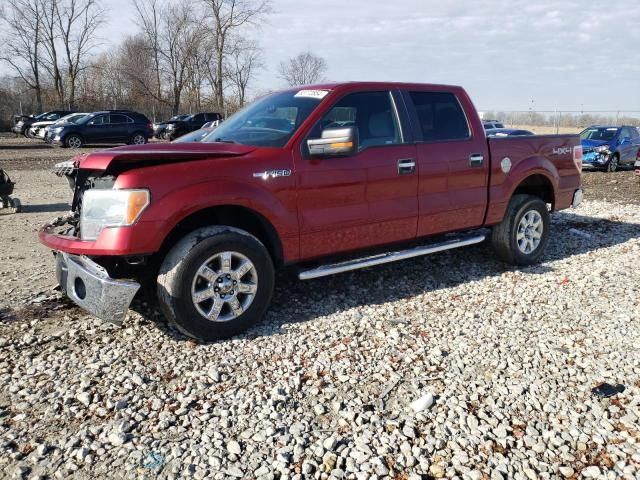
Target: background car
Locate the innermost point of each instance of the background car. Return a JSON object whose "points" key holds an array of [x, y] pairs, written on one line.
{"points": [[159, 129], [111, 126], [490, 124], [608, 146], [23, 122], [39, 128], [175, 129], [71, 118], [507, 132]]}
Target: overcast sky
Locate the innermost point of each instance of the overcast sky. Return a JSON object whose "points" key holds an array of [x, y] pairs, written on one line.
{"points": [[509, 54]]}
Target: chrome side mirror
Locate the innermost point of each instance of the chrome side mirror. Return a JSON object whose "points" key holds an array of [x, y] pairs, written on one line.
{"points": [[334, 142]]}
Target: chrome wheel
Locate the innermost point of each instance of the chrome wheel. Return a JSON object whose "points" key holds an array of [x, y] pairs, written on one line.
{"points": [[529, 233], [613, 164], [138, 140], [224, 286], [74, 142]]}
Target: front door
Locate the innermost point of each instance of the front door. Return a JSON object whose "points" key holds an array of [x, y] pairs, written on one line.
{"points": [[366, 199], [453, 163], [97, 130]]}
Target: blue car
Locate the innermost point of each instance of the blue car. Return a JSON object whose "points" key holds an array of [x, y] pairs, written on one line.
{"points": [[607, 147]]}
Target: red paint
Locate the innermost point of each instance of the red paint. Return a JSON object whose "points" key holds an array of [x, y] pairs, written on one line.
{"points": [[332, 205]]}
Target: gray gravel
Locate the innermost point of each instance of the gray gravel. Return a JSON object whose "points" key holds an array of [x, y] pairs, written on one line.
{"points": [[324, 386]]}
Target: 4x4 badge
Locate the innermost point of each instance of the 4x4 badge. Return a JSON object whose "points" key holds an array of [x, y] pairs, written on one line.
{"points": [[272, 174]]}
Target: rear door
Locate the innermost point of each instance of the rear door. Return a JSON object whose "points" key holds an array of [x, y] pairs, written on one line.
{"points": [[119, 126], [453, 162], [362, 200]]}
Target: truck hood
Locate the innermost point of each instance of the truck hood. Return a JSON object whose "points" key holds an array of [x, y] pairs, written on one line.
{"points": [[133, 156], [594, 143]]}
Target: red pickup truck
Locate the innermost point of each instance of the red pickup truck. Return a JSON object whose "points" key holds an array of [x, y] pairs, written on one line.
{"points": [[328, 178]]}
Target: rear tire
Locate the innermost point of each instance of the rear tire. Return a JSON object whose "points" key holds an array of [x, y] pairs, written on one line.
{"points": [[73, 141], [194, 282], [523, 234]]}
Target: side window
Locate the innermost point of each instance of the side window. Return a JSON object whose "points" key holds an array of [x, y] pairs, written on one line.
{"points": [[371, 112], [440, 116], [118, 119], [99, 120], [635, 133], [199, 117]]}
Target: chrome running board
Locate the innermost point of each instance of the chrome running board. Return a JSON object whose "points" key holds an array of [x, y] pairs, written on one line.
{"points": [[389, 257]]}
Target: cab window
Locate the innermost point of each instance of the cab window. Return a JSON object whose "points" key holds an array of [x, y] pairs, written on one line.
{"points": [[371, 112], [440, 116]]}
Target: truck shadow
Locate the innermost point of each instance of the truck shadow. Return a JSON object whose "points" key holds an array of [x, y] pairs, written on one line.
{"points": [[296, 301]]}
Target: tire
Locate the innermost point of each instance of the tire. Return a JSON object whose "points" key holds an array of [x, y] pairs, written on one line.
{"points": [[179, 279], [28, 134], [137, 138], [73, 141], [614, 160], [529, 248]]}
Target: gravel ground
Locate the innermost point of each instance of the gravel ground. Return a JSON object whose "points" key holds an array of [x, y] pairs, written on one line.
{"points": [[502, 361]]}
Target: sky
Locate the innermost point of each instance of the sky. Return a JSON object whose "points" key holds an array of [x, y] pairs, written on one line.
{"points": [[508, 54]]}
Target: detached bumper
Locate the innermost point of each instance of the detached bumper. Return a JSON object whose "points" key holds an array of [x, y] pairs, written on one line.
{"points": [[91, 288]]}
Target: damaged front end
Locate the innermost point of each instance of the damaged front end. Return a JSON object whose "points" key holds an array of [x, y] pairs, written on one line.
{"points": [[80, 276], [595, 157]]}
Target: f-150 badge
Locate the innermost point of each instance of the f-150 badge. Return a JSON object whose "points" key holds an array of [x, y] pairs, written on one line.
{"points": [[272, 174]]}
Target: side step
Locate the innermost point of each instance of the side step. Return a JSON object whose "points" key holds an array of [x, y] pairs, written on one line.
{"points": [[389, 257]]}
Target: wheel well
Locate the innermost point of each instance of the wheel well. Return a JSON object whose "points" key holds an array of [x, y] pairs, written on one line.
{"points": [[232, 216], [538, 186]]}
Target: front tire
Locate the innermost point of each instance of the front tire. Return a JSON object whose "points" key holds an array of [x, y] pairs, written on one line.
{"points": [[612, 166], [73, 141], [215, 283], [523, 234], [137, 139]]}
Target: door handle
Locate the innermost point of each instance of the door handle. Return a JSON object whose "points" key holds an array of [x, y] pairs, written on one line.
{"points": [[406, 166], [476, 159]]}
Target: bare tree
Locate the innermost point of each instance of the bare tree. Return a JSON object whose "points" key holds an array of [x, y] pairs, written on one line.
{"points": [[50, 60], [243, 63], [77, 22], [229, 17], [22, 43], [303, 69], [173, 35]]}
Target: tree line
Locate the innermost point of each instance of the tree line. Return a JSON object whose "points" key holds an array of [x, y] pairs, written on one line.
{"points": [[202, 55]]}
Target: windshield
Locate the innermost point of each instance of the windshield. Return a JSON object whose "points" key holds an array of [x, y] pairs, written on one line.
{"points": [[195, 136], [270, 121], [604, 134], [72, 118]]}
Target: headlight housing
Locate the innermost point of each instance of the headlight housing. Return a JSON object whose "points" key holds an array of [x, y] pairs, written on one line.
{"points": [[110, 208], [601, 149]]}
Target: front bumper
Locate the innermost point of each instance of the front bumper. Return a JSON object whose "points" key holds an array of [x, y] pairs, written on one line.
{"points": [[17, 129], [92, 289]]}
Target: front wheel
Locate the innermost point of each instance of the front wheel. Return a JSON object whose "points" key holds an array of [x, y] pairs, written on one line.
{"points": [[73, 141], [215, 283], [612, 166], [521, 237], [137, 139]]}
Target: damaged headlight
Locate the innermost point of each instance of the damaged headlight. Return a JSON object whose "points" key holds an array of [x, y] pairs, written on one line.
{"points": [[601, 149], [110, 208]]}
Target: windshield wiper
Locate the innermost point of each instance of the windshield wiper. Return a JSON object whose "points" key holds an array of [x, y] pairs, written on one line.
{"points": [[223, 140]]}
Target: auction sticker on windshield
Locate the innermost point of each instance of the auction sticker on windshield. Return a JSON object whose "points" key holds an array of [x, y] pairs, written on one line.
{"points": [[319, 94]]}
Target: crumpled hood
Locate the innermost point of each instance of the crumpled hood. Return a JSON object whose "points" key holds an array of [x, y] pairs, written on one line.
{"points": [[43, 123], [139, 155]]}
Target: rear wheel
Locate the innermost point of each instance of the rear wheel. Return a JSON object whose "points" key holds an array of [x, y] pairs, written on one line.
{"points": [[215, 283], [73, 141], [522, 236], [612, 166]]}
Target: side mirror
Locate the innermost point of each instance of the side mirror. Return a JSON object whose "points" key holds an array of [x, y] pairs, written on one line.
{"points": [[626, 140], [334, 142]]}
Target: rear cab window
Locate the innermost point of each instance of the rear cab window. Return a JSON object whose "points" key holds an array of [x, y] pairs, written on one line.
{"points": [[439, 117]]}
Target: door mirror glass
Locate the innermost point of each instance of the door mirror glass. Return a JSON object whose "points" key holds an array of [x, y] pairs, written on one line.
{"points": [[334, 142]]}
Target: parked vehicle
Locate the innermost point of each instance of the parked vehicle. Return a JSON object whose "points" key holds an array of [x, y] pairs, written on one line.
{"points": [[159, 129], [606, 147], [365, 166], [507, 132], [41, 129], [637, 164], [491, 124], [111, 126], [177, 128], [23, 122]]}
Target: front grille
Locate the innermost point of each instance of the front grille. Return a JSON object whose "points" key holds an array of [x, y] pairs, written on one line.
{"points": [[66, 168]]}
